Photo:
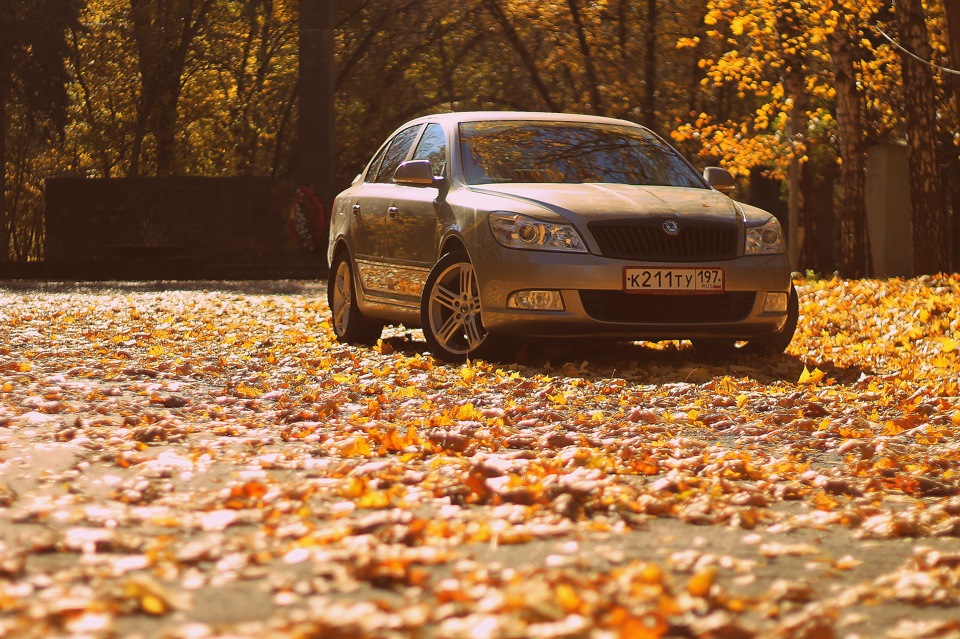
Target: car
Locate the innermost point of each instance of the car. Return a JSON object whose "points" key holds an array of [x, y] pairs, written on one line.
{"points": [[487, 227]]}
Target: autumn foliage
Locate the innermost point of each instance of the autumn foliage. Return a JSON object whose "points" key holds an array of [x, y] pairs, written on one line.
{"points": [[766, 88], [193, 462]]}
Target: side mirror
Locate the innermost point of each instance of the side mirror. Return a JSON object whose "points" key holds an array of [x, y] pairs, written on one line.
{"points": [[415, 173], [720, 179]]}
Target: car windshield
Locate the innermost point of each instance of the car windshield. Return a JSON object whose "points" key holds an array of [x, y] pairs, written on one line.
{"points": [[569, 152]]}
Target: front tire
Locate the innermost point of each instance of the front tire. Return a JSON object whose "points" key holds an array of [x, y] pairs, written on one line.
{"points": [[350, 325], [450, 309], [776, 343], [771, 344]]}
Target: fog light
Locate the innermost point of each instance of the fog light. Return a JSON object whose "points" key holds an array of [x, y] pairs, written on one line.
{"points": [[775, 303], [536, 300]]}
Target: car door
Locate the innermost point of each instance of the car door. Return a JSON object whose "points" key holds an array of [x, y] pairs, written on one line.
{"points": [[370, 204], [412, 217]]}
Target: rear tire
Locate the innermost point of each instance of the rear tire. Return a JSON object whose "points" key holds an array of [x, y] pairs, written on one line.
{"points": [[350, 325]]}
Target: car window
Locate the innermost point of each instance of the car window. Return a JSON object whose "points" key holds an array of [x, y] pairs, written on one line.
{"points": [[433, 147], [375, 164], [572, 152], [396, 153]]}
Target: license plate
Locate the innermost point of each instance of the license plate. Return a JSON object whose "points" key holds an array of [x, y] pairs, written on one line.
{"points": [[672, 280]]}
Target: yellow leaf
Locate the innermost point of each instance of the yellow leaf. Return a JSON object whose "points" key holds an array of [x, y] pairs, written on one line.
{"points": [[374, 499], [891, 428], [355, 447], [242, 390], [153, 605], [568, 598], [811, 377], [558, 399], [736, 27], [354, 487], [726, 386], [467, 412], [823, 501], [701, 583]]}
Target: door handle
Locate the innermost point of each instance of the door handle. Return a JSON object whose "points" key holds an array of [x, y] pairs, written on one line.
{"points": [[392, 211], [356, 209]]}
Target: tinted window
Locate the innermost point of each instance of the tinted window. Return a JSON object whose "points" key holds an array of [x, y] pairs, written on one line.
{"points": [[396, 153], [433, 147], [573, 152]]}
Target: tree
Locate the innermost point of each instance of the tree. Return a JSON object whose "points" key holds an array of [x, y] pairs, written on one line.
{"points": [[931, 223], [33, 78], [164, 31], [802, 72], [854, 238], [792, 48], [499, 12], [952, 11], [240, 85]]}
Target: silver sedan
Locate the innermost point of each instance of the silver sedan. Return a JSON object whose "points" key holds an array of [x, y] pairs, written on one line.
{"points": [[479, 227]]}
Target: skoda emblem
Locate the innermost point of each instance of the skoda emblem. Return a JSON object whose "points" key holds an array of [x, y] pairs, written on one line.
{"points": [[670, 227]]}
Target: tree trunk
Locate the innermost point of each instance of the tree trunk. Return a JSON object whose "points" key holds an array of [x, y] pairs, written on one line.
{"points": [[818, 181], [952, 9], [931, 224], [164, 32], [139, 132], [5, 225], [854, 236], [650, 64], [695, 73], [794, 87], [526, 58], [317, 157], [593, 84]]}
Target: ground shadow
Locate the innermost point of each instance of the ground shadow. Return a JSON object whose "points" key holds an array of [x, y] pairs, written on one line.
{"points": [[639, 362]]}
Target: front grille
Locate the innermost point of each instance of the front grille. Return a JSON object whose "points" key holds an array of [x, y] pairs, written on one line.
{"points": [[646, 240], [638, 308]]}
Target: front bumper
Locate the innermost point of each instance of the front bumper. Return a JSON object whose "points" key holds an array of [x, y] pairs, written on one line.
{"points": [[596, 305]]}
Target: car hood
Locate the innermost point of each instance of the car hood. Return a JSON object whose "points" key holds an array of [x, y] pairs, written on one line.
{"points": [[587, 202]]}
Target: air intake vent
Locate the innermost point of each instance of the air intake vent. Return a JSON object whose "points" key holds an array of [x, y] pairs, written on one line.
{"points": [[617, 306]]}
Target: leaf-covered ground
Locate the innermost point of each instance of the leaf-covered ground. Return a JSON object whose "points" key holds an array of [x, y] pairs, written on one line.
{"points": [[192, 461]]}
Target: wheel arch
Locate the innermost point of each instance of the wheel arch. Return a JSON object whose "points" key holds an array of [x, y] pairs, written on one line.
{"points": [[339, 247], [452, 243]]}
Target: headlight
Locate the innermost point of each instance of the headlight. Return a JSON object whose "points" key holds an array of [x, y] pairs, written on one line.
{"points": [[521, 232], [766, 239]]}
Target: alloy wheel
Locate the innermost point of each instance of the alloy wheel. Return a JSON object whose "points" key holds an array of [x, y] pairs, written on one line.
{"points": [[452, 309]]}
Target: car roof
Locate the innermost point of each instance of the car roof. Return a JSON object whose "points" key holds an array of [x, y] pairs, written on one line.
{"points": [[486, 116]]}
